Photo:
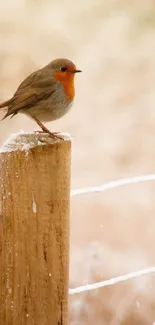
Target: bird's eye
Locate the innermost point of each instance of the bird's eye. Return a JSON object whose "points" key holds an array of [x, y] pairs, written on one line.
{"points": [[63, 69]]}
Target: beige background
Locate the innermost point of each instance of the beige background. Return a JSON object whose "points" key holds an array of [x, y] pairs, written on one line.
{"points": [[113, 126]]}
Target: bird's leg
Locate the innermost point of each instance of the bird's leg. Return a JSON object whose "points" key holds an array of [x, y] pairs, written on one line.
{"points": [[45, 130], [43, 127]]}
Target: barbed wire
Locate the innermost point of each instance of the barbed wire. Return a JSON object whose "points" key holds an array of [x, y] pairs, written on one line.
{"points": [[102, 188]]}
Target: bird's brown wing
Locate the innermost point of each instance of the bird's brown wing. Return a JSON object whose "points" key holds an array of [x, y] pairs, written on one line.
{"points": [[38, 86]]}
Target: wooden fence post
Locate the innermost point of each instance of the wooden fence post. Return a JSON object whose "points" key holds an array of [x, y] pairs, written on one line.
{"points": [[34, 230]]}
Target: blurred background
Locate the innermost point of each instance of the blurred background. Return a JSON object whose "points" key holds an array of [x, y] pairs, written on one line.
{"points": [[112, 124]]}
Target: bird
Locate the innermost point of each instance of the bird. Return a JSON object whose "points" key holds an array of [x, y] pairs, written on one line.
{"points": [[45, 95]]}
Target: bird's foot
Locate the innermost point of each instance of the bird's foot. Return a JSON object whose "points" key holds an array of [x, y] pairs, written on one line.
{"points": [[52, 134], [45, 130]]}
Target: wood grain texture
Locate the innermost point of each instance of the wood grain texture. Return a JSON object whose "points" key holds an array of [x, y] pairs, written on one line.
{"points": [[34, 230]]}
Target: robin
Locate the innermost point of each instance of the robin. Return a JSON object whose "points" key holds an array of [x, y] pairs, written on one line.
{"points": [[46, 95]]}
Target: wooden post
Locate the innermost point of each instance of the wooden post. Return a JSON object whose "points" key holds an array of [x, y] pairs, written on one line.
{"points": [[34, 230]]}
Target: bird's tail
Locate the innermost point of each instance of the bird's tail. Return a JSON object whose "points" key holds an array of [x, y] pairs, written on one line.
{"points": [[5, 104]]}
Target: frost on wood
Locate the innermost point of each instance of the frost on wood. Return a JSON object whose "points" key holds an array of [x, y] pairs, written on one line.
{"points": [[34, 206], [34, 177], [25, 141]]}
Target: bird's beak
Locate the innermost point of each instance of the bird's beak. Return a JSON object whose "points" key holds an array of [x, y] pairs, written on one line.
{"points": [[75, 71]]}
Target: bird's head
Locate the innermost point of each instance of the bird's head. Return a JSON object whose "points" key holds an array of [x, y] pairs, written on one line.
{"points": [[64, 71]]}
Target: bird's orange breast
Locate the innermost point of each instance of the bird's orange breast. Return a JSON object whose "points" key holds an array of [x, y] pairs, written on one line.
{"points": [[67, 81]]}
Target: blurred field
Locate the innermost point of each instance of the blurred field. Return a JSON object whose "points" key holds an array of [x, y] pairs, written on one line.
{"points": [[113, 125]]}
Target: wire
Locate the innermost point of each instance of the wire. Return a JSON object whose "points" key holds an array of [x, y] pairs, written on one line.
{"points": [[113, 184], [112, 281]]}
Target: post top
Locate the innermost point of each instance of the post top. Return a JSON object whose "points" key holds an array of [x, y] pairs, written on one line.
{"points": [[25, 141]]}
